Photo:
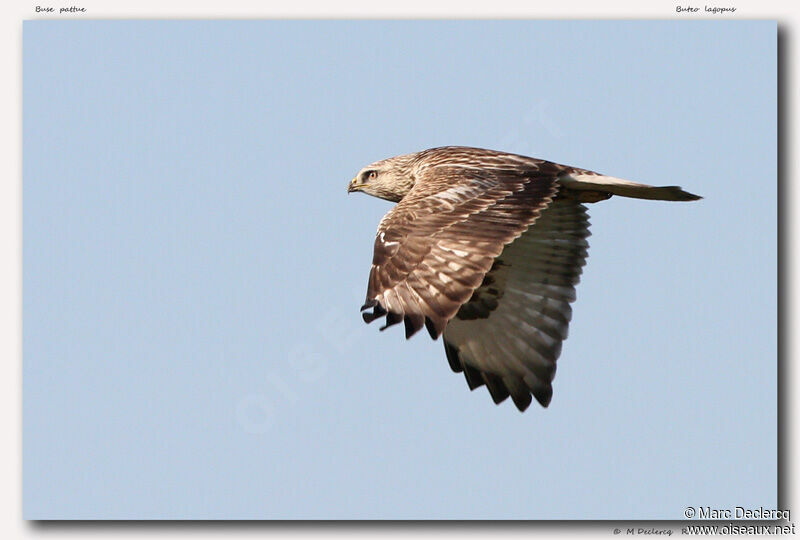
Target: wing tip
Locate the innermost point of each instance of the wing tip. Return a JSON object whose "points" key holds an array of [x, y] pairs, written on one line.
{"points": [[543, 394], [453, 358], [473, 376], [369, 303], [376, 313], [522, 402], [434, 327], [497, 389], [392, 318], [680, 195], [413, 324]]}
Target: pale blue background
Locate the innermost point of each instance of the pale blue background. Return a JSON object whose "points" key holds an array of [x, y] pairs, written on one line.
{"points": [[193, 271]]}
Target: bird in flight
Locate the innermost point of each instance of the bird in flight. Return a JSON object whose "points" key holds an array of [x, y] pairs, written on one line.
{"points": [[486, 248]]}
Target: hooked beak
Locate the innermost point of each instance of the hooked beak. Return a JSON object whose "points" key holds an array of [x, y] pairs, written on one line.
{"points": [[353, 186]]}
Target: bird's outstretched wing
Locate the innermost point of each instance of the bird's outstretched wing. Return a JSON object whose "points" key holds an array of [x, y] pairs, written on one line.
{"points": [[433, 249], [508, 335]]}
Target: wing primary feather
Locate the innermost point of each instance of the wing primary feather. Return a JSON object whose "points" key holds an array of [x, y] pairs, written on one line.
{"points": [[497, 389], [452, 357], [543, 393], [376, 313], [392, 318], [520, 393], [434, 327], [409, 326], [473, 376], [371, 302], [414, 316]]}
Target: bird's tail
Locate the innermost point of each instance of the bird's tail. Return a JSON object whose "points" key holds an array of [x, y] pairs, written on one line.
{"points": [[590, 181]]}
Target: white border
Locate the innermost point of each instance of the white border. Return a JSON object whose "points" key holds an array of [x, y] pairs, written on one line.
{"points": [[11, 524]]}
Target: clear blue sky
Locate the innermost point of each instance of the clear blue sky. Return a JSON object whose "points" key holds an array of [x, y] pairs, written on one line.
{"points": [[193, 270]]}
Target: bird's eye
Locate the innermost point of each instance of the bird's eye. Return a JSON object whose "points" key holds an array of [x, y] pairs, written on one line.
{"points": [[372, 175]]}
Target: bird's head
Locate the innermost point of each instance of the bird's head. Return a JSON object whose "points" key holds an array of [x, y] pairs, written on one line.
{"points": [[388, 179]]}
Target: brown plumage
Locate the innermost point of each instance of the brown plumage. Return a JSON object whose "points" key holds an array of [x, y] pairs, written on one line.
{"points": [[486, 248]]}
